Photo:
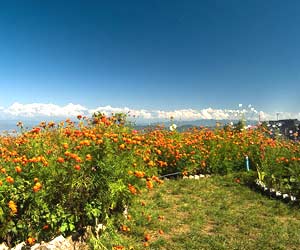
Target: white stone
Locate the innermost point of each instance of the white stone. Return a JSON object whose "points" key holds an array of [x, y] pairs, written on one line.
{"points": [[125, 212], [35, 246], [285, 196], [59, 242], [185, 177], [191, 177], [201, 175], [3, 246], [19, 246], [197, 177]]}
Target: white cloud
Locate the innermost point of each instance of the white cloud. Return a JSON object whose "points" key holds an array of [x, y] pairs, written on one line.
{"points": [[42, 110], [108, 110]]}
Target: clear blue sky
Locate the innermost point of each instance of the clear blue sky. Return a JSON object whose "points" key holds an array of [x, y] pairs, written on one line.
{"points": [[154, 54]]}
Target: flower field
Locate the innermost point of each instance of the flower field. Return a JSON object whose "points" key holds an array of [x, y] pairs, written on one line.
{"points": [[59, 178]]}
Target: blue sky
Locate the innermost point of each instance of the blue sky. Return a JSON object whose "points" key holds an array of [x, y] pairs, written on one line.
{"points": [[150, 55]]}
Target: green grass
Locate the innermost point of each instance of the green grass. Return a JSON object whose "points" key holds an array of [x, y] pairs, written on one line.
{"points": [[210, 213]]}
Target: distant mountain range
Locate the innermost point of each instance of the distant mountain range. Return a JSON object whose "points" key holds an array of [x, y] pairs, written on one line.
{"points": [[184, 125], [10, 125]]}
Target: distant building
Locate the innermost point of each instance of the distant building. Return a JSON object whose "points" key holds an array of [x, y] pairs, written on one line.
{"points": [[288, 128]]}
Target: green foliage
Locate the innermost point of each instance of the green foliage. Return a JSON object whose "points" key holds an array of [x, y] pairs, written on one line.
{"points": [[61, 178], [70, 177]]}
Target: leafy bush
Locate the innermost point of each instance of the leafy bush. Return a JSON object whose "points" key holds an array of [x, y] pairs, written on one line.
{"points": [[59, 178]]}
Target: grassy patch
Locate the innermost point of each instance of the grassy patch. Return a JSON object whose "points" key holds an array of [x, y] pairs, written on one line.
{"points": [[212, 213]]}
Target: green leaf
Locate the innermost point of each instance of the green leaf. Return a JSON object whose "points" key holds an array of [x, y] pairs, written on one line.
{"points": [[71, 226], [64, 227]]}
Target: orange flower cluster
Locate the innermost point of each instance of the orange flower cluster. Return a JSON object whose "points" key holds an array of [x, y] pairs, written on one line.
{"points": [[37, 187], [139, 174], [149, 184], [31, 241], [13, 207], [118, 247], [105, 146], [10, 180], [125, 228], [132, 189]]}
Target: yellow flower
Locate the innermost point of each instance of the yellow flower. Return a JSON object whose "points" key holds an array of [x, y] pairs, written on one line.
{"points": [[13, 207]]}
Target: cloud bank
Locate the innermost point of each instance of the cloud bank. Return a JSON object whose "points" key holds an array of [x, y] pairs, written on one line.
{"points": [[52, 111]]}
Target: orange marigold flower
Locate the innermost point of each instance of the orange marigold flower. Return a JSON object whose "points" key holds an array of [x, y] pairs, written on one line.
{"points": [[88, 157], [35, 130], [185, 173], [139, 174], [125, 228], [77, 167], [78, 159], [132, 189], [51, 124], [38, 184], [18, 169], [118, 248], [37, 187], [9, 179], [149, 184], [147, 237], [60, 160], [13, 207], [30, 240], [151, 164]]}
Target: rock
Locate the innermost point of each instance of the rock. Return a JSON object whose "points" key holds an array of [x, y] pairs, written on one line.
{"points": [[284, 196], [125, 212], [59, 242], [197, 177], [191, 177], [185, 177], [201, 175], [19, 246], [3, 246], [35, 246]]}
